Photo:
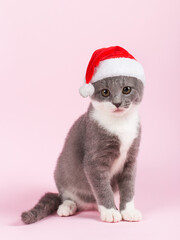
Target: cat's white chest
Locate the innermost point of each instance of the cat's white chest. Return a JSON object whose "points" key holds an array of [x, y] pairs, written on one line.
{"points": [[125, 128], [126, 139]]}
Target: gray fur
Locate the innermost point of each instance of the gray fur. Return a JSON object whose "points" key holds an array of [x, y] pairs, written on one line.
{"points": [[89, 151], [126, 180], [115, 85], [47, 205]]}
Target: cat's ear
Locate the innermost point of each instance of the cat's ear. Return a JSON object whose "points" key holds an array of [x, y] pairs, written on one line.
{"points": [[86, 90]]}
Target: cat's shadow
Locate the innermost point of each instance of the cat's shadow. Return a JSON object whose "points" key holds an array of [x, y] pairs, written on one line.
{"points": [[88, 214]]}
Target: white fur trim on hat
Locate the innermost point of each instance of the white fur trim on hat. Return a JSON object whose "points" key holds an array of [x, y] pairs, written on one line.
{"points": [[86, 90], [118, 67]]}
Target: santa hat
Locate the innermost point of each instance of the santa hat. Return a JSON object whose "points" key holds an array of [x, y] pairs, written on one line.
{"points": [[110, 62]]}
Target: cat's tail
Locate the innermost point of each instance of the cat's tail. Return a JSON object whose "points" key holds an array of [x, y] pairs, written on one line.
{"points": [[47, 205]]}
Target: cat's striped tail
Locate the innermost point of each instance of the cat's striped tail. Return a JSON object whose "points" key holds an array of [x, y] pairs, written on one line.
{"points": [[47, 205]]}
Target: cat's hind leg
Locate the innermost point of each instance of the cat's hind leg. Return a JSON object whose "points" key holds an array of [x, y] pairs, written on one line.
{"points": [[67, 208]]}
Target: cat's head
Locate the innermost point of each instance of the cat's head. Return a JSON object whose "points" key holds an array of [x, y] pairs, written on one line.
{"points": [[117, 95]]}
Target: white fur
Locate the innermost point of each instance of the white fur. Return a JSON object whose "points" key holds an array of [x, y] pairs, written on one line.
{"points": [[67, 208], [130, 213], [109, 215], [119, 67], [123, 124], [80, 204]]}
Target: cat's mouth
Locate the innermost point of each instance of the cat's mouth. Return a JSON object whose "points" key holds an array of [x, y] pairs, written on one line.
{"points": [[118, 110]]}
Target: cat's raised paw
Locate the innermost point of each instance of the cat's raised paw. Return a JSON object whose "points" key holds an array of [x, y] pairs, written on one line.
{"points": [[67, 208], [131, 215], [109, 215]]}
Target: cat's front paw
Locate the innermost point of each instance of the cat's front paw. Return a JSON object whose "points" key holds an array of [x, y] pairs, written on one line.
{"points": [[109, 215], [131, 215]]}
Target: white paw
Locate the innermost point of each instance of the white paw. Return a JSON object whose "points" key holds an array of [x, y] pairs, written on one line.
{"points": [[68, 208], [131, 215], [109, 215]]}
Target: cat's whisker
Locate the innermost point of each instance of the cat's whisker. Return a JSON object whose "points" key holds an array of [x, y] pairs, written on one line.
{"points": [[126, 106]]}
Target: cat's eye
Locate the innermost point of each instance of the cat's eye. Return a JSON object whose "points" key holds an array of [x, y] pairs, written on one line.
{"points": [[126, 90], [105, 93]]}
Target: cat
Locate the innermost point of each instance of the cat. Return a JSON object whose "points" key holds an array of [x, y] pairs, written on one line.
{"points": [[99, 156]]}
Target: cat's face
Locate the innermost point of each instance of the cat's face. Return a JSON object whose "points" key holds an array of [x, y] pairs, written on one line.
{"points": [[117, 95]]}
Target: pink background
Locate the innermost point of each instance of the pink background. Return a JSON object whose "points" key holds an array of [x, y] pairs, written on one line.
{"points": [[45, 47]]}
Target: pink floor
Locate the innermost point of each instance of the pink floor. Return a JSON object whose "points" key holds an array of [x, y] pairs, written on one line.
{"points": [[45, 47], [160, 221]]}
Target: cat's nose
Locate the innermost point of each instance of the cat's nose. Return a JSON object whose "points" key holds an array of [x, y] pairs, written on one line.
{"points": [[117, 104]]}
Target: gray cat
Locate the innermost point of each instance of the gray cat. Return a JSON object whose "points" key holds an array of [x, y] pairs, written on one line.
{"points": [[99, 156]]}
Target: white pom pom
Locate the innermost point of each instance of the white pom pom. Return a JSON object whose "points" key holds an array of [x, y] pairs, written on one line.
{"points": [[86, 90]]}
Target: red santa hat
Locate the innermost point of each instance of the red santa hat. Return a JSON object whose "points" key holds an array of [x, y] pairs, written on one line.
{"points": [[110, 62]]}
